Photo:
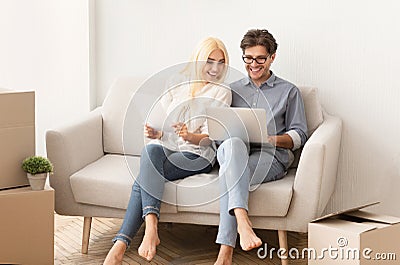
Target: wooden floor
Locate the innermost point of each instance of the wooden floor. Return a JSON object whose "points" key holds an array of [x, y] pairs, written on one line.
{"points": [[180, 244]]}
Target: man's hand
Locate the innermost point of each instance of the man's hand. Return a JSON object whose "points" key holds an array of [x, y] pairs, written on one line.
{"points": [[283, 141], [181, 130], [151, 133], [271, 140]]}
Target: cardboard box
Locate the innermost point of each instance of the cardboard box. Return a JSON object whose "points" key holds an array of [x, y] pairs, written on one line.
{"points": [[17, 136], [27, 226], [354, 237]]}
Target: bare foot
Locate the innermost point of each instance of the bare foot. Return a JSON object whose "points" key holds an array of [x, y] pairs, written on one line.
{"points": [[225, 255], [116, 254], [248, 239], [147, 248]]}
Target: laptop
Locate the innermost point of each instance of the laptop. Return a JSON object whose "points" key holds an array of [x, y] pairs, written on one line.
{"points": [[246, 123]]}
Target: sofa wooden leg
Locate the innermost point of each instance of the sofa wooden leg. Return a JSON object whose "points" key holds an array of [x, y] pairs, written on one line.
{"points": [[87, 223], [283, 243]]}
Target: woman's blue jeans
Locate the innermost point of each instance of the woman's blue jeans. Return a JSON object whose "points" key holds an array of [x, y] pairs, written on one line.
{"points": [[157, 165]]}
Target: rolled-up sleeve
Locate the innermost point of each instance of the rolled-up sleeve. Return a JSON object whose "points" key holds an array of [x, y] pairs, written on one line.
{"points": [[296, 123], [295, 138]]}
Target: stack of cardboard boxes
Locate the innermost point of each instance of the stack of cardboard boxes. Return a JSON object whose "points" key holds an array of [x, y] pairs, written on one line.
{"points": [[27, 217], [17, 136]]}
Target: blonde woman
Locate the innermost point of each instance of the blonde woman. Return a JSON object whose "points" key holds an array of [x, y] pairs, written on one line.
{"points": [[185, 151]]}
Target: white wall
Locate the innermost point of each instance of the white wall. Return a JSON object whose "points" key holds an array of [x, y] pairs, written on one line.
{"points": [[45, 47], [348, 49]]}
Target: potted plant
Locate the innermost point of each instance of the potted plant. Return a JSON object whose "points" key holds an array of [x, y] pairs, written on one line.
{"points": [[37, 169]]}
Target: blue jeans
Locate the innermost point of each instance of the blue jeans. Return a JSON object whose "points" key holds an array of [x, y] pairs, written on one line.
{"points": [[157, 165], [240, 169]]}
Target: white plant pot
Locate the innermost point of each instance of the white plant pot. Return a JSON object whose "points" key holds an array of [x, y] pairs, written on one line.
{"points": [[37, 181]]}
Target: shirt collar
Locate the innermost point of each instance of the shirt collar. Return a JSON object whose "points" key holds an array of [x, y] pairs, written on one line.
{"points": [[270, 81]]}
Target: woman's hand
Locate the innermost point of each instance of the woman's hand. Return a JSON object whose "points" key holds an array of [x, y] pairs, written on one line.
{"points": [[181, 130], [194, 138], [151, 133]]}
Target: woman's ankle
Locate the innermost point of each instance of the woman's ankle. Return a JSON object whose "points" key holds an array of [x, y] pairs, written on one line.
{"points": [[116, 253], [151, 221], [120, 245]]}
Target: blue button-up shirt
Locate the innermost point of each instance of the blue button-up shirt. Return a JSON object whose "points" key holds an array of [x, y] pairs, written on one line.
{"points": [[284, 105]]}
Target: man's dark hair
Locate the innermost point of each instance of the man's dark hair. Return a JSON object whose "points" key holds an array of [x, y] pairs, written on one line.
{"points": [[262, 37]]}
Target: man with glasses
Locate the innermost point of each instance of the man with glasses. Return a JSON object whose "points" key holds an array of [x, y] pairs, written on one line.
{"points": [[243, 165]]}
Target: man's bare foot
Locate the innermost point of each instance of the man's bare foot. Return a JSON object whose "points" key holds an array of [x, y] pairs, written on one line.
{"points": [[225, 255], [248, 239], [148, 247], [116, 254]]}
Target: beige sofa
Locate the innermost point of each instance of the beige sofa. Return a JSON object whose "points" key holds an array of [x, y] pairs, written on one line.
{"points": [[94, 171]]}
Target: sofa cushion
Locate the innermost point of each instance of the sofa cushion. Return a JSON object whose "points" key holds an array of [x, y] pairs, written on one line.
{"points": [[312, 108], [108, 182], [114, 110], [124, 111], [200, 193]]}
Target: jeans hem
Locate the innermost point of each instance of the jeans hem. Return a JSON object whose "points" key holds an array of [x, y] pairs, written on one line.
{"points": [[225, 242], [232, 208], [122, 238], [150, 209]]}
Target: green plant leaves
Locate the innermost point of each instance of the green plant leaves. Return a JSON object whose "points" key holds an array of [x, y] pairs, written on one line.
{"points": [[36, 165]]}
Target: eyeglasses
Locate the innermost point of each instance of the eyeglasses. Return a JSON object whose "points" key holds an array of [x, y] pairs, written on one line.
{"points": [[248, 59]]}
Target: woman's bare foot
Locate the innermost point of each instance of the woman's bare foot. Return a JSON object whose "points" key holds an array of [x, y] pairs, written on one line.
{"points": [[225, 255], [248, 239], [148, 247], [116, 254]]}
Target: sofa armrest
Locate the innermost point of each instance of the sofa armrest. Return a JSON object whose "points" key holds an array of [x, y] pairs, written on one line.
{"points": [[316, 174], [70, 148]]}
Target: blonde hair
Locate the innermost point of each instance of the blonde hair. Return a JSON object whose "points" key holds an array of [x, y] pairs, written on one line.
{"points": [[201, 54]]}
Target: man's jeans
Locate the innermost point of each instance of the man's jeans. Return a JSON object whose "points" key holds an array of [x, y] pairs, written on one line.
{"points": [[157, 165], [239, 172]]}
